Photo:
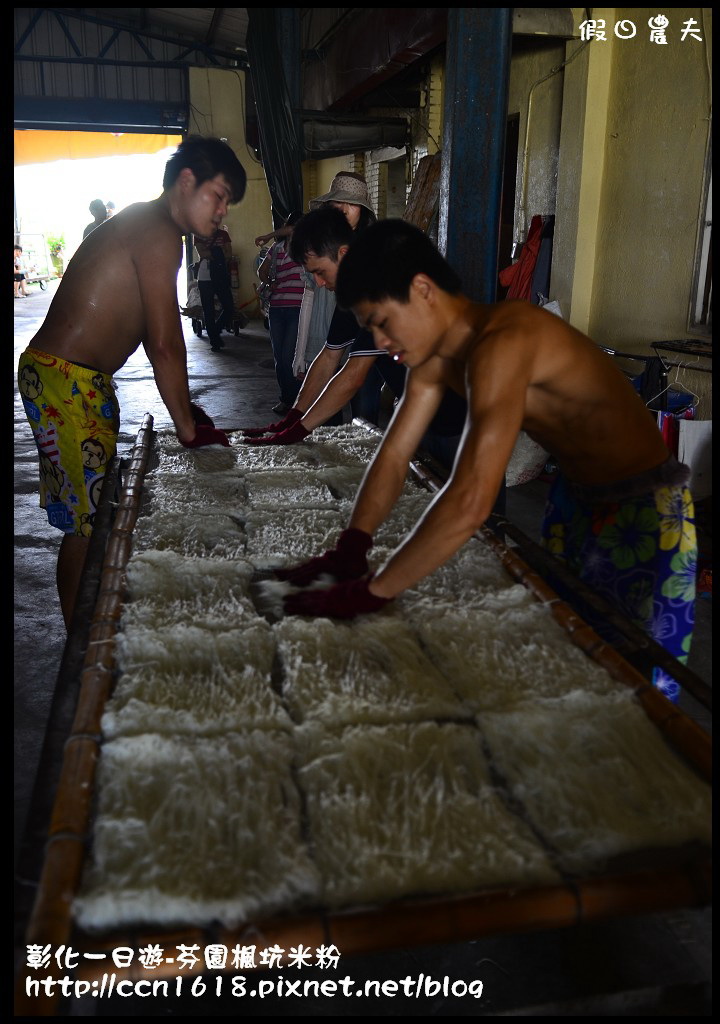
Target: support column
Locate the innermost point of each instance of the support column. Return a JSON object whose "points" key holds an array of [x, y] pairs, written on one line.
{"points": [[477, 67]]}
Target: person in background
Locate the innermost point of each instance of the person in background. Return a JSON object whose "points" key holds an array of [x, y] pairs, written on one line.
{"points": [[213, 278], [119, 291], [110, 207], [349, 193], [287, 286], [99, 211], [20, 288]]}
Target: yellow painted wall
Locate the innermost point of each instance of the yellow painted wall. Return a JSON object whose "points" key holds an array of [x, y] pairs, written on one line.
{"points": [[657, 124], [630, 179], [537, 99], [657, 129], [217, 108], [318, 175]]}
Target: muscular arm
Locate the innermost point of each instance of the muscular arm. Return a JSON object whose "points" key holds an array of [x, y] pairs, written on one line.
{"points": [[496, 405], [385, 476], [157, 262], [338, 391], [322, 368], [282, 232]]}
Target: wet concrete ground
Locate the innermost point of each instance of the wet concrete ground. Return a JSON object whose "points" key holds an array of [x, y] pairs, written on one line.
{"points": [[652, 965]]}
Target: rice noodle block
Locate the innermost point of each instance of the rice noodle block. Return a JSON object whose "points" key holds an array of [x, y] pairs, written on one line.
{"points": [[408, 509], [184, 648], [407, 810], [344, 432], [168, 589], [196, 492], [290, 536], [426, 609], [343, 481], [271, 456], [192, 830], [174, 458], [497, 659], [186, 679], [334, 450], [272, 489], [195, 701], [203, 535], [212, 615], [596, 778], [166, 576], [469, 577], [372, 671]]}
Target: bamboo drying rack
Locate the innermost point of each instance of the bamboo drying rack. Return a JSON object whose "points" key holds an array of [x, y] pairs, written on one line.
{"points": [[669, 879]]}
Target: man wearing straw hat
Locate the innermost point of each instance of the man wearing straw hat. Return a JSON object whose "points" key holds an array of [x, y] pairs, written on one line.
{"points": [[118, 291]]}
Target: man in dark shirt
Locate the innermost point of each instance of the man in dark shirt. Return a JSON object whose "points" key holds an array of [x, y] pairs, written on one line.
{"points": [[320, 241]]}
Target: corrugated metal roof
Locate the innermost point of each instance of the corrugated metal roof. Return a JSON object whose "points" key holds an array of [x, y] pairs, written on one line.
{"points": [[223, 28]]}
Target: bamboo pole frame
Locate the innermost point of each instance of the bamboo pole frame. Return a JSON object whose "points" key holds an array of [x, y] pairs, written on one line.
{"points": [[50, 920], [677, 878]]}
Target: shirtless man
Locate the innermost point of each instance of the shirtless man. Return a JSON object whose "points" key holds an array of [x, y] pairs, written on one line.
{"points": [[620, 512], [118, 291]]}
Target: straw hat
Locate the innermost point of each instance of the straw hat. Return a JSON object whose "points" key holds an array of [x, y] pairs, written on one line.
{"points": [[346, 187]]}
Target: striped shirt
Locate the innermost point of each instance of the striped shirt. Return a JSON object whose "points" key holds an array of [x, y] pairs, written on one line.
{"points": [[289, 285]]}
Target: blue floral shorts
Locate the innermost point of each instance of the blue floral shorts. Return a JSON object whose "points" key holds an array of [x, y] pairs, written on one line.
{"points": [[639, 553]]}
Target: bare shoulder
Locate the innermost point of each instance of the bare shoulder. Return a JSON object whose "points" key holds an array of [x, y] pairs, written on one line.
{"points": [[144, 223], [529, 333], [521, 319], [433, 371], [149, 236]]}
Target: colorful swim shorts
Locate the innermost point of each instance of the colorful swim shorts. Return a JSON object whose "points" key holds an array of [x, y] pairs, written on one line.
{"points": [[639, 552], [75, 419]]}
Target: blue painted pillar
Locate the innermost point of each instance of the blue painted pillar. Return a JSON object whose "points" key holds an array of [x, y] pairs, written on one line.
{"points": [[477, 70]]}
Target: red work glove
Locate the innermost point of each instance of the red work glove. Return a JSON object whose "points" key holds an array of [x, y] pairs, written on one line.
{"points": [[294, 416], [200, 417], [346, 561], [292, 435], [343, 601], [206, 435]]}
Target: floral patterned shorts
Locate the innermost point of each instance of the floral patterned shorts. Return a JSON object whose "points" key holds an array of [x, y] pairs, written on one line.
{"points": [[639, 553]]}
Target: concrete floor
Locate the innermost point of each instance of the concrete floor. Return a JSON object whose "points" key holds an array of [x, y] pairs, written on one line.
{"points": [[651, 965]]}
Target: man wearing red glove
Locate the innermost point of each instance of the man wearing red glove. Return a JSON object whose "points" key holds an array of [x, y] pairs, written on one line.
{"points": [[620, 512], [118, 291], [320, 241]]}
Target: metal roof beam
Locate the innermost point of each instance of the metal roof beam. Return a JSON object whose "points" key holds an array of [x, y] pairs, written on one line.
{"points": [[104, 62], [66, 31], [185, 45]]}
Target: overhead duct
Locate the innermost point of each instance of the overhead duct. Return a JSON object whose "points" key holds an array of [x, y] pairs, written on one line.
{"points": [[325, 136]]}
